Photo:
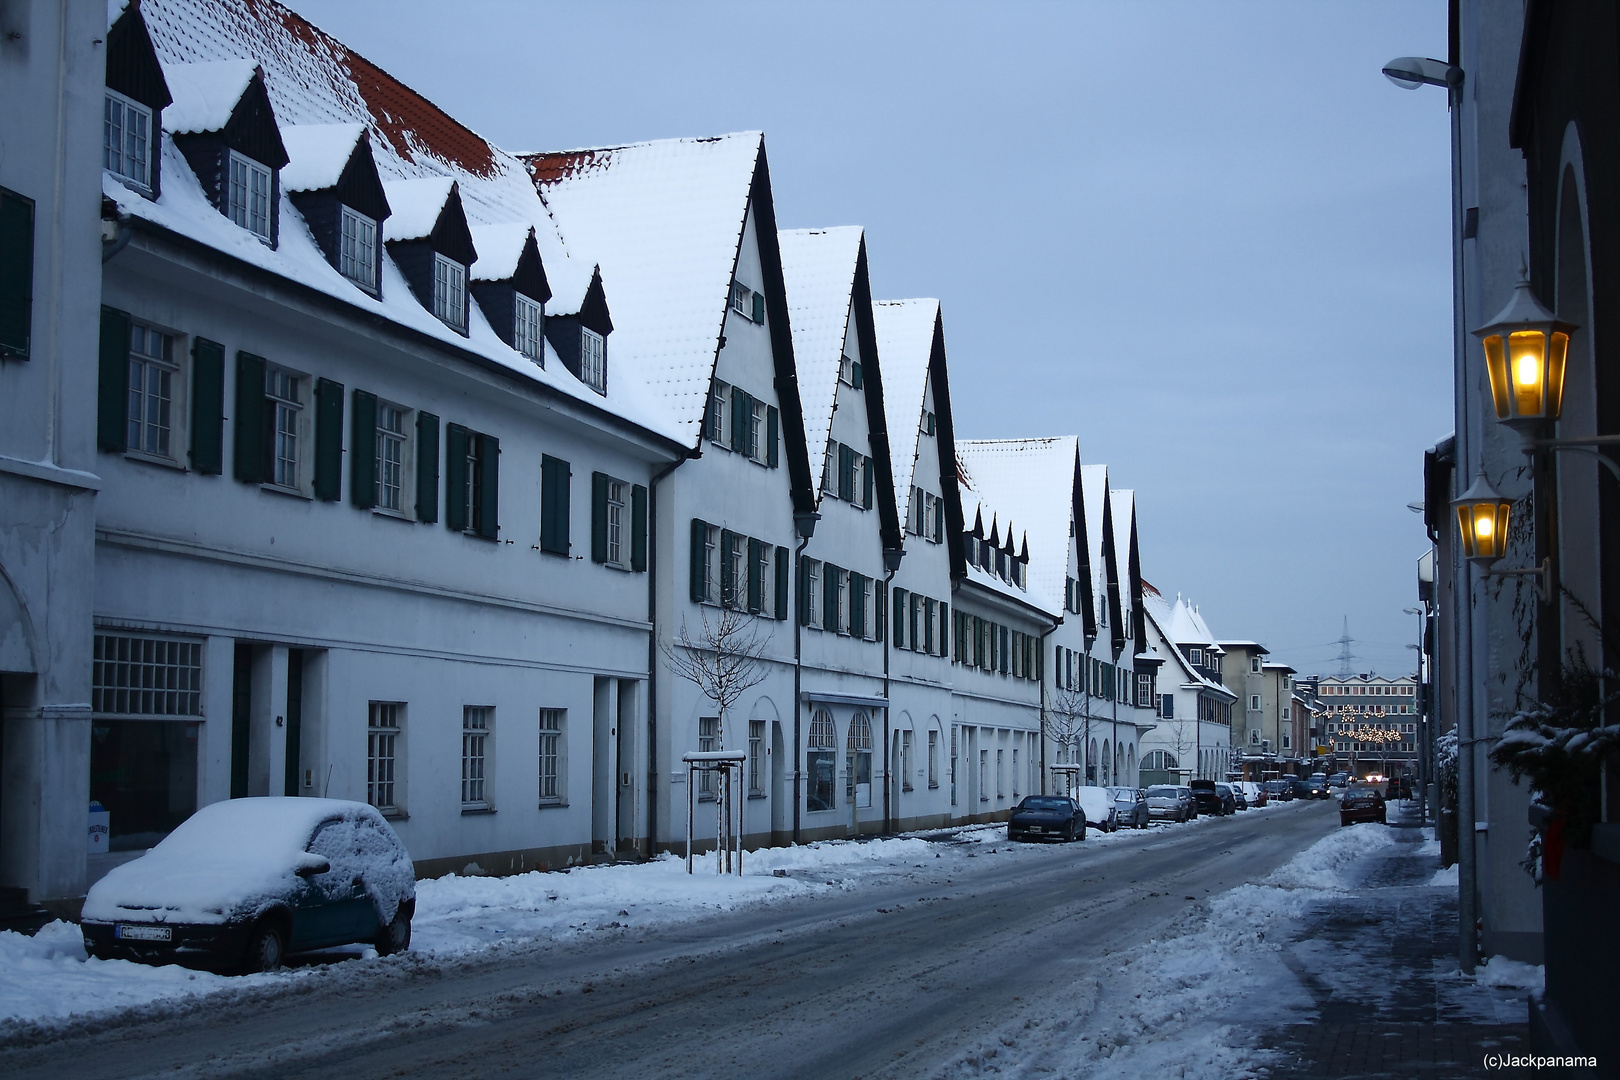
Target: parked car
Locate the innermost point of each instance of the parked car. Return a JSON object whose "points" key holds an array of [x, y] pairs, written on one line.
{"points": [[242, 883], [1339, 780], [1209, 799], [1168, 802], [1253, 791], [1047, 817], [1099, 808], [1361, 802], [1240, 798], [1130, 804], [1281, 790]]}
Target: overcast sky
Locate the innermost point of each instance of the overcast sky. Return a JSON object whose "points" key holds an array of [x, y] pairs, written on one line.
{"points": [[1211, 239]]}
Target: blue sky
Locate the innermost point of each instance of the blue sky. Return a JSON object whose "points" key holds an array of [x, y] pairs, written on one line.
{"points": [[1211, 239]]}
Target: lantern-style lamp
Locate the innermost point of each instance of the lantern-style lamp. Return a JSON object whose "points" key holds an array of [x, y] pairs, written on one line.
{"points": [[1482, 518], [1525, 350]]}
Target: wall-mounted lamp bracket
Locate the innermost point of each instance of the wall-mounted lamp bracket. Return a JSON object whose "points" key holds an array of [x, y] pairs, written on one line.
{"points": [[1541, 576]]}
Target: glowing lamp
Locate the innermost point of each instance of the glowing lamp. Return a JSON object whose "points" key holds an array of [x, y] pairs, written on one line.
{"points": [[1525, 351], [1482, 518]]}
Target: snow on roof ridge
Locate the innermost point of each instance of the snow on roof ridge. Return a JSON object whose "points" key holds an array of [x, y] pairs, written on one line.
{"points": [[317, 154], [818, 268], [905, 341], [205, 93], [1033, 480], [499, 248], [416, 205]]}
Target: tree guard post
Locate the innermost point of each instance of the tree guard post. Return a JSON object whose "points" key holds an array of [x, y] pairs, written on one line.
{"points": [[729, 764]]}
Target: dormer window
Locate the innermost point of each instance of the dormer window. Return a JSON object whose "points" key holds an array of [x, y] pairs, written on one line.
{"points": [[450, 292], [592, 370], [127, 140], [248, 197], [357, 252], [527, 328]]}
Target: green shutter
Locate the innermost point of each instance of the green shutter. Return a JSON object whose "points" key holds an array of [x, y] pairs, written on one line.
{"points": [[599, 514], [900, 618], [488, 524], [866, 483], [455, 477], [829, 597], [782, 560], [555, 486], [329, 439], [728, 578], [857, 604], [699, 575], [772, 458], [756, 577], [880, 599], [913, 616], [363, 450], [112, 408], [855, 379], [207, 406], [945, 628], [427, 467], [638, 528], [759, 307], [846, 473], [1006, 651], [939, 520], [739, 420], [248, 465], [804, 592], [17, 276]]}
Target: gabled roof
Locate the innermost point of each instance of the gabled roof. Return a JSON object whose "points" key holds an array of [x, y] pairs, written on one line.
{"points": [[1033, 480], [317, 154], [664, 221], [205, 94], [1159, 614], [312, 79], [905, 339], [1099, 544], [417, 205], [818, 266], [1001, 530], [499, 248]]}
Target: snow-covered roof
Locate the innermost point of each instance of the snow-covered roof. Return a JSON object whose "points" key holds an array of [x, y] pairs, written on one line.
{"points": [[499, 247], [905, 341], [313, 79], [818, 267], [1187, 626], [1094, 493], [664, 221], [1160, 615], [1122, 507], [416, 206], [1032, 480], [317, 154], [976, 495], [205, 93]]}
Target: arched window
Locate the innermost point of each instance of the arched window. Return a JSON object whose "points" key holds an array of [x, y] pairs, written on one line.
{"points": [[1130, 765], [821, 759], [1159, 761], [1091, 761], [1104, 760], [858, 761]]}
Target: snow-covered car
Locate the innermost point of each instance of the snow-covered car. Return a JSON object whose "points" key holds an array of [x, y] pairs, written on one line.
{"points": [[242, 883], [1252, 791], [1047, 817], [1167, 802], [1101, 813], [1130, 807], [1240, 798], [1361, 802]]}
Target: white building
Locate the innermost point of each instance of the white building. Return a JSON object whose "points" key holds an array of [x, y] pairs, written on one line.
{"points": [[1193, 737]]}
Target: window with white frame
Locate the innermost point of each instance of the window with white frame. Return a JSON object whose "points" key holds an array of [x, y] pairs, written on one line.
{"points": [[821, 762], [756, 757], [708, 742], [758, 443], [736, 572], [247, 195], [477, 722], [472, 495], [390, 468], [153, 380], [1254, 702], [812, 592], [528, 324], [829, 468], [1015, 777], [385, 756], [841, 597], [711, 563], [552, 756], [284, 406], [449, 292], [763, 571], [984, 776], [357, 248], [846, 370], [933, 758], [1001, 783], [719, 429], [905, 761], [127, 139], [615, 523], [742, 300], [592, 363]]}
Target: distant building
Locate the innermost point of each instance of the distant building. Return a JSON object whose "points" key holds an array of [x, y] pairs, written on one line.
{"points": [[1370, 723]]}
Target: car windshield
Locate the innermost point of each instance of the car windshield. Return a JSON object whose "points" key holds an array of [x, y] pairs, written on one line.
{"points": [[1223, 789], [1162, 792], [1045, 802]]}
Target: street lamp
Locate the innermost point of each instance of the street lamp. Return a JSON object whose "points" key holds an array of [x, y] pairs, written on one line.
{"points": [[1526, 347], [1483, 517]]}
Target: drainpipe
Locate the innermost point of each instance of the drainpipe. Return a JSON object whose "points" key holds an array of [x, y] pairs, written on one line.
{"points": [[891, 566], [652, 648], [1040, 675], [804, 523]]}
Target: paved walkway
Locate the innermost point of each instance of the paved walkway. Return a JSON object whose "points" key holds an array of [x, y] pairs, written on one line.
{"points": [[1381, 967]]}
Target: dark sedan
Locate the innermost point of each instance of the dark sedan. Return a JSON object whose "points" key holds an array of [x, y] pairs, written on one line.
{"points": [[241, 883], [1210, 799], [1361, 802], [1280, 790], [1047, 817]]}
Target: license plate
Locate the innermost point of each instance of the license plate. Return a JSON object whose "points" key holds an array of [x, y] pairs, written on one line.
{"points": [[143, 933], [1034, 828]]}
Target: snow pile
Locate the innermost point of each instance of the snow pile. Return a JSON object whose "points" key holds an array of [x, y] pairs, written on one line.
{"points": [[1515, 974], [1446, 877]]}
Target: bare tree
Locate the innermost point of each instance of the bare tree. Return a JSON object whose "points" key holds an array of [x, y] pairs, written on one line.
{"points": [[725, 658], [1068, 721]]}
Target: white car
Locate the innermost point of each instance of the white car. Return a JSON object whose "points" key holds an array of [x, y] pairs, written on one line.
{"points": [[1101, 813]]}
